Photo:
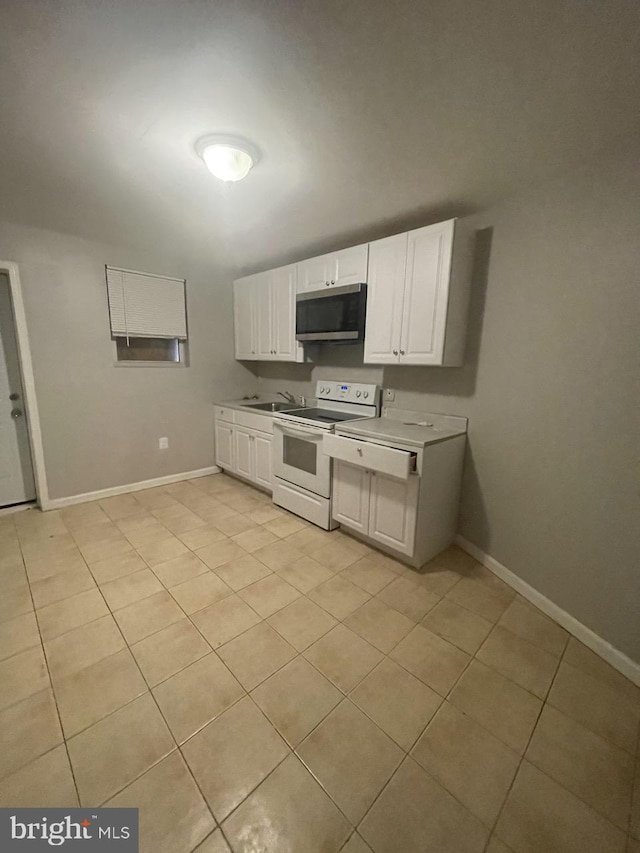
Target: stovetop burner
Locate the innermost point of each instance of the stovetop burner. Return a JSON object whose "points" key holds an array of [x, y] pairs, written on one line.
{"points": [[326, 416]]}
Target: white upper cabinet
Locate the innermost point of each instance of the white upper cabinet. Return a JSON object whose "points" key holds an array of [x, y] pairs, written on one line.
{"points": [[244, 315], [262, 298], [385, 295], [314, 273], [265, 316], [348, 266], [283, 300], [417, 297]]}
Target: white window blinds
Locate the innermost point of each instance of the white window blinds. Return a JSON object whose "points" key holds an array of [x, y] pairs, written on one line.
{"points": [[142, 305]]}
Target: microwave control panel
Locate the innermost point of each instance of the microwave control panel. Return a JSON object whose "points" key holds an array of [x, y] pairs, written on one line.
{"points": [[347, 392]]}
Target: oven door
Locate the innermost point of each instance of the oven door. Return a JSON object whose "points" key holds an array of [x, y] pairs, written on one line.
{"points": [[332, 315], [298, 457]]}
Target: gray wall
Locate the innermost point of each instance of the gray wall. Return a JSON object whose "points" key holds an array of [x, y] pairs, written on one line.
{"points": [[101, 423], [550, 388]]}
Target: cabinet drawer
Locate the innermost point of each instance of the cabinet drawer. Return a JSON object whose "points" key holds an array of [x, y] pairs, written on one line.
{"points": [[375, 457], [261, 423], [222, 413]]}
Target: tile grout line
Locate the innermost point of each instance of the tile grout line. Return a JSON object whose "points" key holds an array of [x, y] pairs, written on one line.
{"points": [[347, 695], [128, 703], [445, 699], [51, 687], [526, 748], [177, 747]]}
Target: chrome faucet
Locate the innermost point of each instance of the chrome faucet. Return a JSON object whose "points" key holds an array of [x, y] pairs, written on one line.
{"points": [[288, 396]]}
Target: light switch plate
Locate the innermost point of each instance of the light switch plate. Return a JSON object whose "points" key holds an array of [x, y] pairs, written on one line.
{"points": [[163, 443]]}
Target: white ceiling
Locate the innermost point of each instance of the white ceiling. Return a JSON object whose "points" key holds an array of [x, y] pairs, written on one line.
{"points": [[369, 113]]}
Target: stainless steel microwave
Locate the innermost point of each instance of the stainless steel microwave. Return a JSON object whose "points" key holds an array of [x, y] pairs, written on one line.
{"points": [[332, 316]]}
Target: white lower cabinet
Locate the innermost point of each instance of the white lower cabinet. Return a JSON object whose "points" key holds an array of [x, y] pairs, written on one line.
{"points": [[262, 460], [244, 450], [351, 496], [225, 457], [375, 505], [392, 511], [243, 447]]}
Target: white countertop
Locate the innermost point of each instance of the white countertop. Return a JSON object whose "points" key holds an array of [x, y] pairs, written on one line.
{"points": [[412, 429]]}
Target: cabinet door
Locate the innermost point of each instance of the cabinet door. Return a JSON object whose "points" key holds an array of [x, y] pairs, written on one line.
{"points": [[224, 446], [283, 294], [262, 462], [244, 318], [313, 274], [351, 496], [349, 266], [392, 512], [243, 443], [385, 291], [264, 320], [426, 293]]}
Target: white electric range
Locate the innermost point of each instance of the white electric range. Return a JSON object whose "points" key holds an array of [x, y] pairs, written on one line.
{"points": [[301, 471]]}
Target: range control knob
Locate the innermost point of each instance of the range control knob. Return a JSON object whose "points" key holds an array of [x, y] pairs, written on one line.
{"points": [[357, 393], [366, 394]]}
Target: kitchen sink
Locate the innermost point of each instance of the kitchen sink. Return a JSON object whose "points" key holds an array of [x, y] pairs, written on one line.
{"points": [[272, 407]]}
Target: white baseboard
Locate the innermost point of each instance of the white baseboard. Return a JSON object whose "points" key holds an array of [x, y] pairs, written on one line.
{"points": [[617, 659], [59, 503]]}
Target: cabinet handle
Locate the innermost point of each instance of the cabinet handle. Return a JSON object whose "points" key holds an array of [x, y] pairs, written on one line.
{"points": [[326, 284], [401, 352], [333, 281], [395, 352]]}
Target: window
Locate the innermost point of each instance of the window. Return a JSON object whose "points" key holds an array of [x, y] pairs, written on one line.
{"points": [[148, 349], [148, 317]]}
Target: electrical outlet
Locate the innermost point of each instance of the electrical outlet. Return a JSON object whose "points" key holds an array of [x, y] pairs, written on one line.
{"points": [[163, 443], [389, 395]]}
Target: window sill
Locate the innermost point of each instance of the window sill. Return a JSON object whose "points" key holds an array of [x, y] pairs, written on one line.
{"points": [[171, 364]]}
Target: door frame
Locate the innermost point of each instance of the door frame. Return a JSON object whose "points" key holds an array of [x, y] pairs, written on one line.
{"points": [[10, 269]]}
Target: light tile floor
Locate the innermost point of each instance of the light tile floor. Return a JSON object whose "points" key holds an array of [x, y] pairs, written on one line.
{"points": [[253, 683]]}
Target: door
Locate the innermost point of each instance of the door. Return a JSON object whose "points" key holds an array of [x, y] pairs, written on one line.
{"points": [[262, 461], [244, 318], [387, 262], [16, 470], [298, 457], [242, 445], [426, 294], [224, 446], [351, 496], [263, 303], [313, 274], [283, 295], [349, 266], [392, 511]]}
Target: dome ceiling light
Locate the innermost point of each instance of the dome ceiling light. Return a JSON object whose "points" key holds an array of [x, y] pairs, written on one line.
{"points": [[229, 158]]}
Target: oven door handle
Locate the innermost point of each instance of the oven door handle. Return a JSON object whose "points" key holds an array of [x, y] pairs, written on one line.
{"points": [[297, 431]]}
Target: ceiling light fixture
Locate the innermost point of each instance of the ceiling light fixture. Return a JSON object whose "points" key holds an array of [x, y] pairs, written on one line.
{"points": [[229, 158]]}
